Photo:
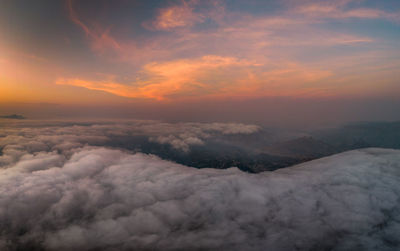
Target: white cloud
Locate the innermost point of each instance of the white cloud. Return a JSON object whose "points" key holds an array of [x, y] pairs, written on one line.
{"points": [[59, 191], [62, 137], [107, 199]]}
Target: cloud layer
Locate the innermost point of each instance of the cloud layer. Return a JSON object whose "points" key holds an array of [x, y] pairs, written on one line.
{"points": [[60, 194], [64, 136], [110, 200]]}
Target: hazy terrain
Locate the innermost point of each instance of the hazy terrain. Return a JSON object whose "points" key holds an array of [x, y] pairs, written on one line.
{"points": [[251, 148]]}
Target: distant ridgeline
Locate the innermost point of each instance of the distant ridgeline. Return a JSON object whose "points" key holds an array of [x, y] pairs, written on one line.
{"points": [[12, 116]]}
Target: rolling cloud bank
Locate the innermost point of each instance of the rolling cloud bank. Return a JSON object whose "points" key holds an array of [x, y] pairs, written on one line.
{"points": [[62, 189], [217, 145]]}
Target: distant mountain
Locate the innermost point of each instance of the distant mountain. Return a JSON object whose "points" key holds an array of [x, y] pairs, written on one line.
{"points": [[219, 155], [305, 148], [264, 152], [361, 135], [284, 153], [12, 116]]}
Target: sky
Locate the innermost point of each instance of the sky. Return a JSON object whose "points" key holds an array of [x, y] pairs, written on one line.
{"points": [[206, 58]]}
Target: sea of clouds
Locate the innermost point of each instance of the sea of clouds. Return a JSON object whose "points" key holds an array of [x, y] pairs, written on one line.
{"points": [[60, 189], [52, 134]]}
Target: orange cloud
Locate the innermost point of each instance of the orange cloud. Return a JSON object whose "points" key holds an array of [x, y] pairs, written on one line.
{"points": [[209, 76], [163, 79]]}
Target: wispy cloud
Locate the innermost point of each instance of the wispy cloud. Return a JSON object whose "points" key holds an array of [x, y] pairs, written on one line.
{"points": [[177, 16], [165, 79], [340, 10], [209, 76], [99, 37], [242, 54]]}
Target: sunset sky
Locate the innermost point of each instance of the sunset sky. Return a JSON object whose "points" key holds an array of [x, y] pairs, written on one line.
{"points": [[171, 52]]}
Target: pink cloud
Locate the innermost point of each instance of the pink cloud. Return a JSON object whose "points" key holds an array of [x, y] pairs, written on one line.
{"points": [[177, 16], [100, 37], [244, 56]]}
